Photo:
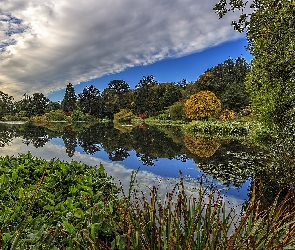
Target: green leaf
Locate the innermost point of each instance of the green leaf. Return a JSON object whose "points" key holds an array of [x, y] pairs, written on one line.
{"points": [[69, 227], [78, 213]]}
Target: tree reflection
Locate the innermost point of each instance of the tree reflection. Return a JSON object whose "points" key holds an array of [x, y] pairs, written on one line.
{"points": [[6, 135], [35, 135], [119, 154], [90, 138], [70, 141], [201, 146], [228, 161], [277, 169]]}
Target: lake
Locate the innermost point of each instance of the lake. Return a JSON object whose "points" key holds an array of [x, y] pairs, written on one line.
{"points": [[159, 153]]}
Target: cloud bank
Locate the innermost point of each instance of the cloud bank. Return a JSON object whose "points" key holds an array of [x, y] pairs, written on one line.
{"points": [[46, 44]]}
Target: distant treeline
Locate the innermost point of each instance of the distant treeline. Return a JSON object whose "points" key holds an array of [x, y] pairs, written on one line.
{"points": [[151, 98]]}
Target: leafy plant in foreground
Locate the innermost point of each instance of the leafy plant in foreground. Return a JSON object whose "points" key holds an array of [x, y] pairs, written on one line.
{"points": [[49, 204]]}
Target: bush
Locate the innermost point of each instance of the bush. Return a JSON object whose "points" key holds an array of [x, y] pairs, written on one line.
{"points": [[176, 111], [57, 115], [123, 116], [78, 115], [202, 105]]}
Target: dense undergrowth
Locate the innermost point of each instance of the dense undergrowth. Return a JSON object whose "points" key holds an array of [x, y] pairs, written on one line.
{"points": [[59, 205]]}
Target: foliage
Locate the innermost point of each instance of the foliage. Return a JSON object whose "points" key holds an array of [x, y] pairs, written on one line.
{"points": [[17, 117], [57, 115], [272, 79], [226, 81], [38, 104], [90, 101], [124, 115], [50, 204], [224, 129], [6, 104], [78, 115], [270, 32], [145, 96], [202, 105], [226, 114], [69, 101], [176, 111]]}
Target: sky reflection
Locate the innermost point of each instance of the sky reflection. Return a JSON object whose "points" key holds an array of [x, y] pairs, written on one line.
{"points": [[145, 179]]}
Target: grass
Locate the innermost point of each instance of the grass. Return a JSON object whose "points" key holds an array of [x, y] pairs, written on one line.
{"points": [[182, 222]]}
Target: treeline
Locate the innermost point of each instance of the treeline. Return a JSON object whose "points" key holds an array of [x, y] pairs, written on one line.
{"points": [[149, 98]]}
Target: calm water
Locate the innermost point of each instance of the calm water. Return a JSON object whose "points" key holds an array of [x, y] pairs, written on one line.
{"points": [[159, 154]]}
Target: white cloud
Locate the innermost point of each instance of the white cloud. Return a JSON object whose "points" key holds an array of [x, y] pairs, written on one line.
{"points": [[55, 42]]}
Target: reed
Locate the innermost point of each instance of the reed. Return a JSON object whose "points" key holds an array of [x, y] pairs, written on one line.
{"points": [[183, 222]]}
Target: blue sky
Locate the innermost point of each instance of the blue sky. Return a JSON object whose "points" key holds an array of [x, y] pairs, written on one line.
{"points": [[44, 45], [188, 67]]}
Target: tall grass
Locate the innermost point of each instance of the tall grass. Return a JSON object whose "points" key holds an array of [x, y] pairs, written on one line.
{"points": [[182, 222]]}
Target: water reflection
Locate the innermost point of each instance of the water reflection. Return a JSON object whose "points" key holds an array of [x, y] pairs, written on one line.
{"points": [[202, 147], [160, 152]]}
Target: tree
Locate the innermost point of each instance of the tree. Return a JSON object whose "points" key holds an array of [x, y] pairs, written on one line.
{"points": [[38, 104], [227, 80], [120, 88], [6, 104], [69, 101], [270, 30], [89, 100], [53, 106], [202, 105], [144, 95]]}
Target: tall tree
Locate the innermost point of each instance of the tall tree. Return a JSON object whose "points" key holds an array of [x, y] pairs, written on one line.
{"points": [[120, 88], [70, 98], [270, 30], [38, 104], [6, 104], [144, 95], [89, 100]]}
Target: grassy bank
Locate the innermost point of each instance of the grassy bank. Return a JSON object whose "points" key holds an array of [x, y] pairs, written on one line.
{"points": [[251, 131]]}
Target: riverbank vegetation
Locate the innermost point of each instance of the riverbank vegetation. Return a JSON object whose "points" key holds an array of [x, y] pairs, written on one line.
{"points": [[59, 205]]}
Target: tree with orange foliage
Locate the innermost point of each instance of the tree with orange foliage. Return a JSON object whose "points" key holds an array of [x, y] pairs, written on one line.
{"points": [[202, 105]]}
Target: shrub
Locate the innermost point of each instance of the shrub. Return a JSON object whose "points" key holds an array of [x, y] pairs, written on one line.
{"points": [[78, 115], [226, 114], [123, 116], [57, 115], [176, 111], [202, 105]]}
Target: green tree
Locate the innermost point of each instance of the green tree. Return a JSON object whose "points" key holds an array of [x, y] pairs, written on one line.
{"points": [[120, 88], [144, 95], [70, 98], [110, 103], [89, 101], [38, 104], [170, 94], [176, 111], [270, 30], [53, 106], [6, 104]]}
